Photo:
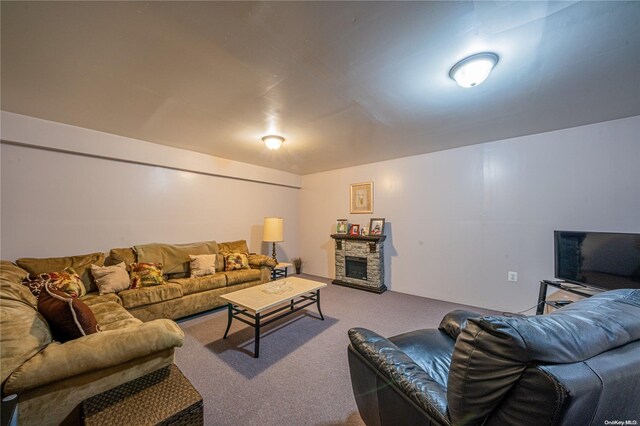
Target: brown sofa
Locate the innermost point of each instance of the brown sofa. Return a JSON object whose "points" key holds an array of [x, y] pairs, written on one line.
{"points": [[52, 378]]}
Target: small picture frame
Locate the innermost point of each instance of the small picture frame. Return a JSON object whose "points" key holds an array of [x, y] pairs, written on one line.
{"points": [[376, 226], [342, 227], [364, 231], [361, 198], [354, 230]]}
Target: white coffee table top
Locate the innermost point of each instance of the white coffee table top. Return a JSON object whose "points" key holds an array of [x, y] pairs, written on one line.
{"points": [[257, 300]]}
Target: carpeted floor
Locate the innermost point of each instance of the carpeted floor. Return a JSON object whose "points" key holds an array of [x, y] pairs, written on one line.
{"points": [[302, 375]]}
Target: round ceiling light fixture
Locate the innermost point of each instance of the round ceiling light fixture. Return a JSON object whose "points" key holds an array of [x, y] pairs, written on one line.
{"points": [[473, 69], [273, 141]]}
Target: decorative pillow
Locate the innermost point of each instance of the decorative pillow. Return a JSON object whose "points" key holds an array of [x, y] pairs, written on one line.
{"points": [[68, 317], [202, 264], [111, 279], [235, 261], [67, 281], [146, 274]]}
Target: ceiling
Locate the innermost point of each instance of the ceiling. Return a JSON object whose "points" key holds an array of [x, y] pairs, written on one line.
{"points": [[345, 83]]}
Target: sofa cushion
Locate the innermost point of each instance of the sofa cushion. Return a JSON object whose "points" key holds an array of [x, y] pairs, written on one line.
{"points": [[11, 288], [109, 312], [68, 317], [239, 246], [146, 274], [118, 255], [66, 281], [236, 261], [147, 295], [258, 260], [24, 331], [81, 264], [111, 279], [174, 257], [242, 276], [200, 284], [123, 323], [202, 265], [95, 298]]}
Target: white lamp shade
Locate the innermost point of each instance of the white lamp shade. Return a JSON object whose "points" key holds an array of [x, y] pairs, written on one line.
{"points": [[273, 229]]}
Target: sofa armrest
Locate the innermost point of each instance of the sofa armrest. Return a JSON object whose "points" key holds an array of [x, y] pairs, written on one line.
{"points": [[455, 321], [94, 352], [258, 260], [398, 367]]}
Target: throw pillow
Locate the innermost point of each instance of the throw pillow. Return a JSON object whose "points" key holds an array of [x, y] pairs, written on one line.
{"points": [[235, 261], [67, 281], [146, 274], [111, 279], [202, 264], [68, 317]]}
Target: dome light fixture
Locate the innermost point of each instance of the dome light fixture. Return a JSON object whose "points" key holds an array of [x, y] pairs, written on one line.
{"points": [[473, 69], [273, 142]]}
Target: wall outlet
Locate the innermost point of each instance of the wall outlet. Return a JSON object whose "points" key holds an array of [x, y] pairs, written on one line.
{"points": [[512, 276]]}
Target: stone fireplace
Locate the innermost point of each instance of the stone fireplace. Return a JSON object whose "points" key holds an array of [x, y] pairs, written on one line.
{"points": [[360, 262]]}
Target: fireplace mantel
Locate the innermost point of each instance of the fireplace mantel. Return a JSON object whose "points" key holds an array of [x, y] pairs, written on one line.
{"points": [[350, 248], [368, 238]]}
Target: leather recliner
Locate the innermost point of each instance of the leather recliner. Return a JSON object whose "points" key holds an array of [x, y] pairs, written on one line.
{"points": [[579, 365]]}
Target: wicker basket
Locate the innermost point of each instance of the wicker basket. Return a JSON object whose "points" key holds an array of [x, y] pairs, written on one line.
{"points": [[164, 397]]}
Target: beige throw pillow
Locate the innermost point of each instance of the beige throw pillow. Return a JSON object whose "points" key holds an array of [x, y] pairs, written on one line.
{"points": [[111, 279], [202, 264]]}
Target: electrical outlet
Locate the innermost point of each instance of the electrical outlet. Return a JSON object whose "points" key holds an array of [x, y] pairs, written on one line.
{"points": [[512, 276]]}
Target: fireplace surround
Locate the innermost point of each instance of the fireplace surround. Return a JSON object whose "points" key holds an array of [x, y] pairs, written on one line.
{"points": [[360, 262]]}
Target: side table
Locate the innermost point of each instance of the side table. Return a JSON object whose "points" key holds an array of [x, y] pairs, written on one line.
{"points": [[164, 397], [280, 271]]}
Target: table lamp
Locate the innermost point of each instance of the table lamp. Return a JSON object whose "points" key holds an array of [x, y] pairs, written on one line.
{"points": [[273, 232]]}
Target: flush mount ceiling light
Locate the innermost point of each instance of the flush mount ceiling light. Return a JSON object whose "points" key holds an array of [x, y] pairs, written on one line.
{"points": [[473, 69], [273, 141]]}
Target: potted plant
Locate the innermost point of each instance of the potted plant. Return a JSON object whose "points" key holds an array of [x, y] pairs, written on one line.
{"points": [[297, 262]]}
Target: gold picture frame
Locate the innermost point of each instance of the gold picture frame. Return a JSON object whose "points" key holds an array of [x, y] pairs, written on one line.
{"points": [[361, 198]]}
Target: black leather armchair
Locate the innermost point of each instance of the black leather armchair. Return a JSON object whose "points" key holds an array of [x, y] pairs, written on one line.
{"points": [[579, 365]]}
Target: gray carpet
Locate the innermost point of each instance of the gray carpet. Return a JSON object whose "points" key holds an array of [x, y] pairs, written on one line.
{"points": [[302, 375]]}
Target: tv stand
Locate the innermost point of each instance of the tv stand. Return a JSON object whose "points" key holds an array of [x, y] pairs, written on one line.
{"points": [[578, 289]]}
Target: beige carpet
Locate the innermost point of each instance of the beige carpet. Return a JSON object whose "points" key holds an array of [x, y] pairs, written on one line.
{"points": [[302, 375]]}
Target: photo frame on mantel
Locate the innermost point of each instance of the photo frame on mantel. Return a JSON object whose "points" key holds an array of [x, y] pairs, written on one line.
{"points": [[361, 199], [376, 226]]}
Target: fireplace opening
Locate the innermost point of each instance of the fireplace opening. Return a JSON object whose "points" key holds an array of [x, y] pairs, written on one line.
{"points": [[356, 267]]}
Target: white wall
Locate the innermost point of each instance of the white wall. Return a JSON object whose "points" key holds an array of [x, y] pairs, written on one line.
{"points": [[59, 203], [458, 220]]}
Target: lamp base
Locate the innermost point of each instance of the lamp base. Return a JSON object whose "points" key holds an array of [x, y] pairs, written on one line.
{"points": [[273, 254]]}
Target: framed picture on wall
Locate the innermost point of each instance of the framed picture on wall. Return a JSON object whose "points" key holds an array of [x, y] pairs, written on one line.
{"points": [[342, 226], [354, 230], [376, 226], [362, 198]]}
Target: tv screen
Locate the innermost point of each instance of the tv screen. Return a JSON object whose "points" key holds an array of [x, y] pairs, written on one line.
{"points": [[598, 259]]}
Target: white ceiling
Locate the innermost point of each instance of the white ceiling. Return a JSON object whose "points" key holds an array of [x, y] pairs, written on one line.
{"points": [[345, 83]]}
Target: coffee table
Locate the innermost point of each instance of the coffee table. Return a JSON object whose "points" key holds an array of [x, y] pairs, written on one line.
{"points": [[274, 300]]}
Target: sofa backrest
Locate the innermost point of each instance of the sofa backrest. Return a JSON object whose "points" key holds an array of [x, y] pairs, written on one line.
{"points": [[23, 331], [81, 264], [492, 353], [239, 246], [174, 257]]}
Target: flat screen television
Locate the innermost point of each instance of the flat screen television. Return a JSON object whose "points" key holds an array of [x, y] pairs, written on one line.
{"points": [[603, 260]]}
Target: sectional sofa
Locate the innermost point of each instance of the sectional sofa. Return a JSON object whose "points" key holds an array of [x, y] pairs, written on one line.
{"points": [[138, 335]]}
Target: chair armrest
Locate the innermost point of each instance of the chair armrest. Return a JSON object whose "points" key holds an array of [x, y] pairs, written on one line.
{"points": [[94, 352], [258, 260], [455, 321], [401, 370]]}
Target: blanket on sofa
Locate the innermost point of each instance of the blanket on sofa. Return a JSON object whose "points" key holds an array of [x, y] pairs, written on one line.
{"points": [[174, 257]]}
